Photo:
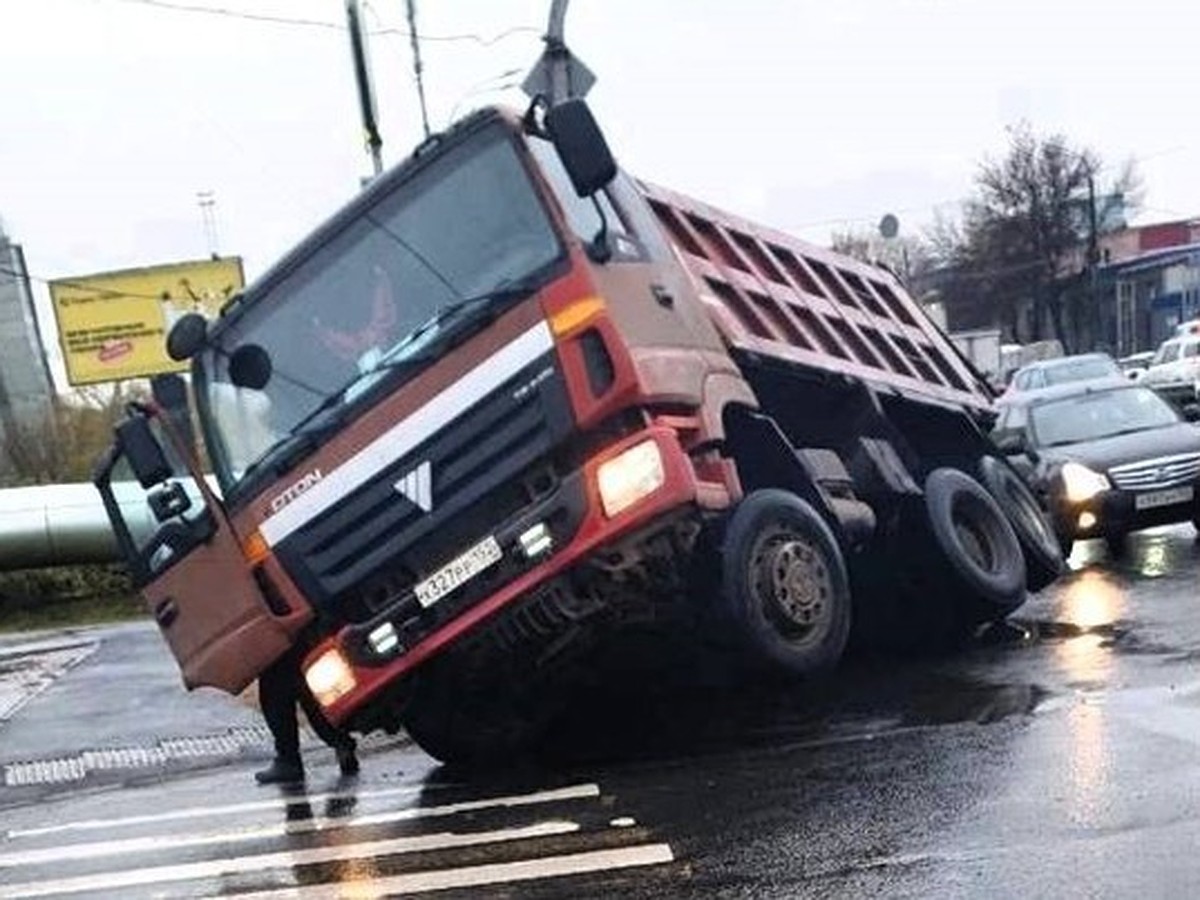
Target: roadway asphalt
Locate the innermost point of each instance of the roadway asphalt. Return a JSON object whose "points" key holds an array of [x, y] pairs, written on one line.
{"points": [[1061, 758]]}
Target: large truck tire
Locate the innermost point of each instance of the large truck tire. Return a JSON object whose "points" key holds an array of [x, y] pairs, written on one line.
{"points": [[785, 594], [458, 723], [981, 552], [1039, 544]]}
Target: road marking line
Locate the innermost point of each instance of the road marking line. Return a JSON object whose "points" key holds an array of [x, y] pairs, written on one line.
{"points": [[193, 812], [250, 806], [21, 686], [478, 876], [236, 865], [303, 826]]}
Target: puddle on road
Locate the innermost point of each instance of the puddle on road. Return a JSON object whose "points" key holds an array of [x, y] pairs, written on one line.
{"points": [[1154, 553]]}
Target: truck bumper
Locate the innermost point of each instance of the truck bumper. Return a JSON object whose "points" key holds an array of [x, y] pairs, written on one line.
{"points": [[680, 487]]}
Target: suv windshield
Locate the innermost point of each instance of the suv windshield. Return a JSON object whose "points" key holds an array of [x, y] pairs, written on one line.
{"points": [[1088, 417], [385, 290], [1081, 370]]}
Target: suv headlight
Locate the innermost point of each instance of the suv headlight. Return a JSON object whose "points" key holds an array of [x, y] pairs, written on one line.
{"points": [[1081, 483]]}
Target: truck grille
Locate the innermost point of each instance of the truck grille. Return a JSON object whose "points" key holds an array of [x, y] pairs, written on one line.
{"points": [[1152, 474], [473, 463]]}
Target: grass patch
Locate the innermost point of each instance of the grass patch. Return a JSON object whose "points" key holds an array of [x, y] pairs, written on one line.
{"points": [[70, 613], [66, 596]]}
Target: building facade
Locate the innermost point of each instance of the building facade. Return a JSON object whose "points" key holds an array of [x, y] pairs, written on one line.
{"points": [[1153, 292], [26, 388]]}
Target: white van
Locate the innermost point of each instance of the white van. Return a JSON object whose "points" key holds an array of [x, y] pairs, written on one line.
{"points": [[1175, 369]]}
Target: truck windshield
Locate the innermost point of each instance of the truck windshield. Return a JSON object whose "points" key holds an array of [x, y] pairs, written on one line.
{"points": [[390, 288]]}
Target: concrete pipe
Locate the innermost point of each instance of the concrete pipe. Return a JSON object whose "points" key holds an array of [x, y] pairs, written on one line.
{"points": [[65, 524]]}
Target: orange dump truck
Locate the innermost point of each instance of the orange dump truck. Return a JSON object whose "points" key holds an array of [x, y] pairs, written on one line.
{"points": [[509, 400]]}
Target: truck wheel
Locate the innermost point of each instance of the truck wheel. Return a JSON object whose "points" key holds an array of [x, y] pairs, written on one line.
{"points": [[785, 593], [456, 723], [981, 550], [1040, 547]]}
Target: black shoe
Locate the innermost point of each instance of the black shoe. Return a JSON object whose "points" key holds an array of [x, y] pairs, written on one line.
{"points": [[281, 771], [347, 760]]}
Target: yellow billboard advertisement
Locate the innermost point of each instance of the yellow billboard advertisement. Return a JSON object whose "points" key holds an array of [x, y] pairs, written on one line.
{"points": [[113, 325]]}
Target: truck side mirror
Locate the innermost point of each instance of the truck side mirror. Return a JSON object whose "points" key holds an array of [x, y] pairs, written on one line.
{"points": [[1191, 412], [186, 337], [145, 454], [581, 146], [250, 367]]}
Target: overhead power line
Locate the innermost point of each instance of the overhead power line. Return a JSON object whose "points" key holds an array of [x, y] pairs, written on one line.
{"points": [[482, 40], [78, 285]]}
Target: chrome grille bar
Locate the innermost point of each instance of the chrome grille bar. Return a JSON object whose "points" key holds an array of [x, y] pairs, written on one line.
{"points": [[1161, 472]]}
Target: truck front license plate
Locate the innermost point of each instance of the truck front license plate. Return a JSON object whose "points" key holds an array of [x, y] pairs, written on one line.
{"points": [[458, 572], [1163, 498]]}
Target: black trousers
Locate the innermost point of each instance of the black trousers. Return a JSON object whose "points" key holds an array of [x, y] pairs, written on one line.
{"points": [[280, 687]]}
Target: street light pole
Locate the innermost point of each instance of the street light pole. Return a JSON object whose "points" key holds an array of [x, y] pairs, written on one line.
{"points": [[418, 67], [1093, 261]]}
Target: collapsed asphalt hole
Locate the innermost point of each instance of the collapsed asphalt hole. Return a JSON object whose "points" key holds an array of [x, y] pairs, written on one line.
{"points": [[983, 704], [865, 699]]}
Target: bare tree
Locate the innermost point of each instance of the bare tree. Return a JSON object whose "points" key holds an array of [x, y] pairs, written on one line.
{"points": [[1032, 211], [907, 256], [63, 442]]}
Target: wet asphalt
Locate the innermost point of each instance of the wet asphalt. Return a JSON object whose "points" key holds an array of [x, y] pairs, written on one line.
{"points": [[1058, 757]]}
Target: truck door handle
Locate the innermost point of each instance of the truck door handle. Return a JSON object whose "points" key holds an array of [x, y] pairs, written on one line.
{"points": [[166, 612], [662, 295]]}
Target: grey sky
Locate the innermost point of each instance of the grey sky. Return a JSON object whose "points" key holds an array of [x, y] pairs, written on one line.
{"points": [[810, 115]]}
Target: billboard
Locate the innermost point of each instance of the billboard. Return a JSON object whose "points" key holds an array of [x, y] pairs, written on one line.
{"points": [[113, 325]]}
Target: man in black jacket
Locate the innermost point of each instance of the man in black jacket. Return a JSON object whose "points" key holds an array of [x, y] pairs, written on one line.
{"points": [[280, 687]]}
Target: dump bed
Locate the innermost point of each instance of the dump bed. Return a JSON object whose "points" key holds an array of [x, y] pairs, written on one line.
{"points": [[774, 295]]}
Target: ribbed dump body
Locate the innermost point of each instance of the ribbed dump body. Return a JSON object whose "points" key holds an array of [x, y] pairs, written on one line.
{"points": [[773, 294]]}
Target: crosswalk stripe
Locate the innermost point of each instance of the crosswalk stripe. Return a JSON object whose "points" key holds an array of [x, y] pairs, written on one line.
{"points": [[108, 881], [195, 812], [478, 876], [231, 809], [317, 823]]}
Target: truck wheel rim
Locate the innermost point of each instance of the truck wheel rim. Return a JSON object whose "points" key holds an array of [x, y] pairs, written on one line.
{"points": [[792, 583], [974, 539]]}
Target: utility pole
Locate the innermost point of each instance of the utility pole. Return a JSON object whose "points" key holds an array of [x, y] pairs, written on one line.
{"points": [[418, 68], [1093, 261], [362, 80]]}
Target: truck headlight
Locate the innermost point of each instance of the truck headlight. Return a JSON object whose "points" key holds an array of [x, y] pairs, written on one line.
{"points": [[1081, 483], [330, 677], [627, 478]]}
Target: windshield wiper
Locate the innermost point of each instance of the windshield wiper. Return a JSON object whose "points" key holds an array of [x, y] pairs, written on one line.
{"points": [[504, 291], [303, 439]]}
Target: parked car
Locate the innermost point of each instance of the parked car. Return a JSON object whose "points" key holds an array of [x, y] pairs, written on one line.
{"points": [[1175, 369], [1050, 373], [1104, 460]]}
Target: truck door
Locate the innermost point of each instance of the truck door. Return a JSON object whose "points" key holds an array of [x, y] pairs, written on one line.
{"points": [[186, 561]]}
